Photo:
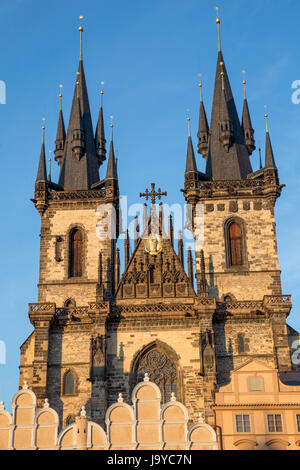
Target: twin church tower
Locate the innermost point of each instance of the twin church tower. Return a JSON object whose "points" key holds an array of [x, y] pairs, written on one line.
{"points": [[97, 331]]}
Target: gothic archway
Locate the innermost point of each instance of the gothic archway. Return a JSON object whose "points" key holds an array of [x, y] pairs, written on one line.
{"points": [[160, 362]]}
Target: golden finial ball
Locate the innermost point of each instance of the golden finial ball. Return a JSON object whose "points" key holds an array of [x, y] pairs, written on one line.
{"points": [[80, 28], [266, 115], [218, 21], [244, 82]]}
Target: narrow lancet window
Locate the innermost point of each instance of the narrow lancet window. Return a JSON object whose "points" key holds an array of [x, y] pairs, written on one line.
{"points": [[76, 243], [236, 249], [69, 384]]}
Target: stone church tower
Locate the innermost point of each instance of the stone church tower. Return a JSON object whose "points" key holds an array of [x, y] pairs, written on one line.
{"points": [[96, 333]]}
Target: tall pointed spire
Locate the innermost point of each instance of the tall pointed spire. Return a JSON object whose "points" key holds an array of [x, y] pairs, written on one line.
{"points": [[80, 173], [269, 161], [202, 287], [60, 134], [247, 124], [100, 140], [223, 162], [117, 268], [49, 168], [136, 231], [42, 173], [203, 129], [190, 266], [260, 159], [127, 248], [111, 171], [171, 230], [180, 248], [191, 166]]}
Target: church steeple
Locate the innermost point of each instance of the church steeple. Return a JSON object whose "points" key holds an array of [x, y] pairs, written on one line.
{"points": [[191, 166], [228, 157], [203, 129], [247, 124], [80, 165], [60, 134], [269, 159], [111, 172], [42, 172], [100, 140]]}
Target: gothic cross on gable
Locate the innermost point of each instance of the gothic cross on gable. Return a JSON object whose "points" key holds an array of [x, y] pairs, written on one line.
{"points": [[153, 194]]}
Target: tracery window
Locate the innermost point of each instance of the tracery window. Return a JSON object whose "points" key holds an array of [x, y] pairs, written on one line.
{"points": [[161, 370]]}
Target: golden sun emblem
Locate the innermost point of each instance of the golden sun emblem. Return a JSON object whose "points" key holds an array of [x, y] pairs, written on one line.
{"points": [[153, 245]]}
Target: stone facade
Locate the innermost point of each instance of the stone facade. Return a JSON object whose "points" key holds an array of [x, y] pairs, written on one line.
{"points": [[97, 332]]}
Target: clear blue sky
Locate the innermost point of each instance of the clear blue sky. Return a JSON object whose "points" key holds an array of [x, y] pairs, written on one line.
{"points": [[149, 54]]}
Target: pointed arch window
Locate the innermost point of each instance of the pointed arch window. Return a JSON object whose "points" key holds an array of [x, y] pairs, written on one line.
{"points": [[76, 253], [161, 370], [69, 384], [236, 249], [235, 244]]}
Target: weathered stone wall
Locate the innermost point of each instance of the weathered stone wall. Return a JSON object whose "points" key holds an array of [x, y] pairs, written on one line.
{"points": [[258, 340], [55, 284], [69, 349], [260, 276]]}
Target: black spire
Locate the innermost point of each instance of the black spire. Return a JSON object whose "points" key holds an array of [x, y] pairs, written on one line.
{"points": [[191, 166], [42, 173], [111, 172], [60, 136], [79, 171], [226, 162], [269, 161], [247, 125], [100, 140], [203, 129]]}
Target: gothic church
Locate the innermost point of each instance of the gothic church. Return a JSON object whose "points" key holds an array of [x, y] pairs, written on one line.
{"points": [[98, 331]]}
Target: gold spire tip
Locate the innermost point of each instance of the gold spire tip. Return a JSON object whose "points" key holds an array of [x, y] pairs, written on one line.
{"points": [[218, 21], [80, 27], [244, 83], [266, 117], [101, 91], [189, 123]]}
